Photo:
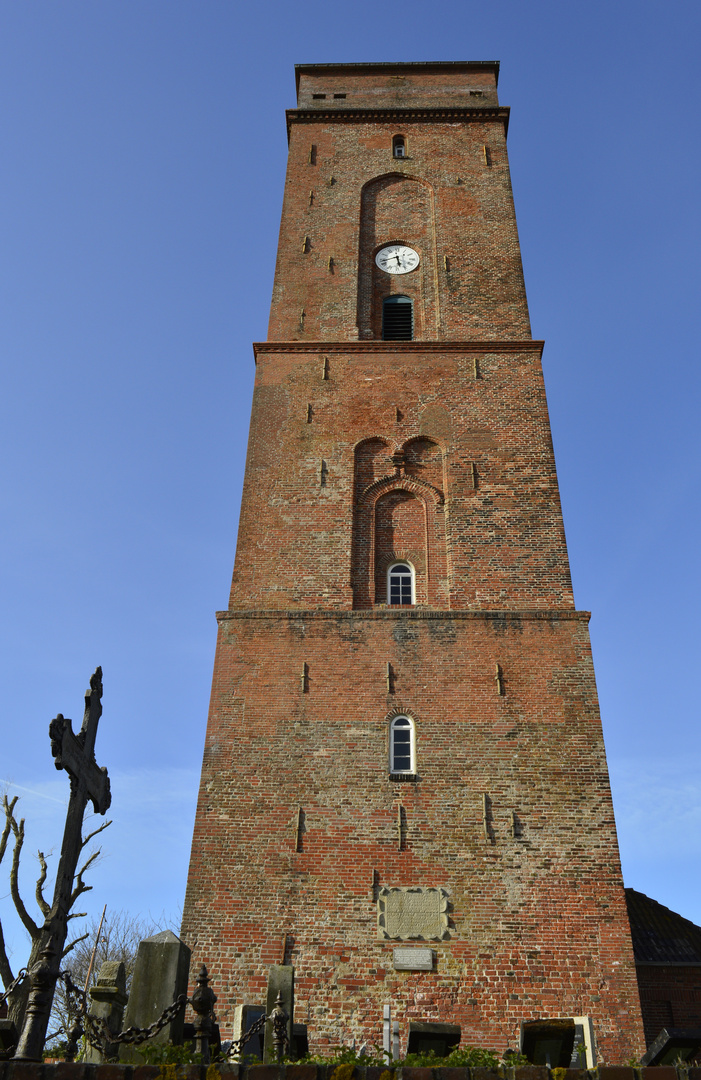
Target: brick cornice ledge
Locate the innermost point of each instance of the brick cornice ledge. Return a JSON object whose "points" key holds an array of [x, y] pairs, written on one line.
{"points": [[351, 347], [543, 614], [445, 114]]}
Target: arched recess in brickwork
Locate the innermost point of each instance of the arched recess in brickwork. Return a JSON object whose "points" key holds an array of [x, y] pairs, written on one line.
{"points": [[373, 460], [398, 516], [400, 534], [423, 459], [372, 463], [396, 208]]}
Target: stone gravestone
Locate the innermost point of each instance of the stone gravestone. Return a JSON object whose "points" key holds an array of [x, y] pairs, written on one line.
{"points": [[160, 975], [245, 1016], [281, 980], [109, 996]]}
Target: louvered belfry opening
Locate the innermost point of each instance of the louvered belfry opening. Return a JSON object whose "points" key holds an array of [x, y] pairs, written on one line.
{"points": [[397, 319]]}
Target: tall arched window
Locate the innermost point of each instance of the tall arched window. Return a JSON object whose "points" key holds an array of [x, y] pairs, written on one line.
{"points": [[397, 318], [398, 146], [400, 583], [402, 745]]}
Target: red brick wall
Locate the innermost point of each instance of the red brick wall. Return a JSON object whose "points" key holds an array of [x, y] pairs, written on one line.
{"points": [[504, 538], [670, 996], [450, 197], [452, 430], [423, 86], [538, 922]]}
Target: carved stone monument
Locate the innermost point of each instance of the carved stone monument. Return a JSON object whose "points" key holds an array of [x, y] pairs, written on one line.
{"points": [[108, 998], [412, 913], [281, 980], [160, 976]]}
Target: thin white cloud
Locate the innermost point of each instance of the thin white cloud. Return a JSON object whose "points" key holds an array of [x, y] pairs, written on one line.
{"points": [[658, 807], [145, 851], [9, 784], [658, 815]]}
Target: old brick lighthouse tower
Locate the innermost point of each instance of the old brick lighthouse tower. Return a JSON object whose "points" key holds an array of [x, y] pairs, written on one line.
{"points": [[404, 791]]}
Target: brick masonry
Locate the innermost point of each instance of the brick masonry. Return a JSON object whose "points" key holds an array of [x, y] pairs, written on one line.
{"points": [[437, 451], [450, 198], [670, 996]]}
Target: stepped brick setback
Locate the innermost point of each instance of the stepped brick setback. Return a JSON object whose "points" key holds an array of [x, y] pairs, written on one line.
{"points": [[433, 453]]}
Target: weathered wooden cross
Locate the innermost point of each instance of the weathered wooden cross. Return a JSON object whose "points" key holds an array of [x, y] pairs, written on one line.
{"points": [[75, 754]]}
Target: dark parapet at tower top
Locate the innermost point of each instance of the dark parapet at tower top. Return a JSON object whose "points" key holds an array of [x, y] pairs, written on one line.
{"points": [[468, 84]]}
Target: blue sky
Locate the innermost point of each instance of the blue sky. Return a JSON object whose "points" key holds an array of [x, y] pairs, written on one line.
{"points": [[142, 172]]}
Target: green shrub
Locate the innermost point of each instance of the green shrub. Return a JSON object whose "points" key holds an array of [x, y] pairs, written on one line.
{"points": [[463, 1056]]}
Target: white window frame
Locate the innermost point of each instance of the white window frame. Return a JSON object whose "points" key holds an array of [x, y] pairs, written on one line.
{"points": [[401, 562], [397, 145], [412, 745]]}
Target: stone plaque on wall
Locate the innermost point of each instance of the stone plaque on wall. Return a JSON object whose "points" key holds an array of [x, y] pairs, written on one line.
{"points": [[411, 959], [412, 913]]}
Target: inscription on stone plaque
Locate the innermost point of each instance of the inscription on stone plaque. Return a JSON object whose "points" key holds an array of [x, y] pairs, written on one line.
{"points": [[408, 959], [412, 913]]}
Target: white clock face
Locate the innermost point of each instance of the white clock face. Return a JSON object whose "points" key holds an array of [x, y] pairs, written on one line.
{"points": [[397, 259]]}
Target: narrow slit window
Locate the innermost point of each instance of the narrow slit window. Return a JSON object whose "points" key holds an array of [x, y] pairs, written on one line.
{"points": [[398, 146], [400, 584], [397, 319], [402, 754], [339, 95], [319, 97]]}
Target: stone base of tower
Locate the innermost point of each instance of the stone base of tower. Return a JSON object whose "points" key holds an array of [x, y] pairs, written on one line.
{"points": [[301, 829]]}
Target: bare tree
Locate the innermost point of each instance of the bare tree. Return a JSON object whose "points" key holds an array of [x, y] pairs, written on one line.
{"points": [[17, 1001], [119, 940]]}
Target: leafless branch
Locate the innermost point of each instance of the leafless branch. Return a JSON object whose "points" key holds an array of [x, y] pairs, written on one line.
{"points": [[76, 941], [80, 887], [77, 915], [5, 969], [88, 838], [44, 908], [18, 833], [8, 807]]}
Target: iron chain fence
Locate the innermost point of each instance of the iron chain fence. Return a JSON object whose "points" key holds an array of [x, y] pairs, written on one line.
{"points": [[101, 1038]]}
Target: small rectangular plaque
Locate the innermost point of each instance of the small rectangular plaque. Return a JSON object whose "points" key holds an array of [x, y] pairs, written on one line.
{"points": [[405, 959]]}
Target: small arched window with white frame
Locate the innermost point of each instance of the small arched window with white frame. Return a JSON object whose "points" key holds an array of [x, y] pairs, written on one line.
{"points": [[400, 584], [402, 746], [398, 146]]}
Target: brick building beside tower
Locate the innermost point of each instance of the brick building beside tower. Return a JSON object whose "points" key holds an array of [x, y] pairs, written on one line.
{"points": [[404, 790]]}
